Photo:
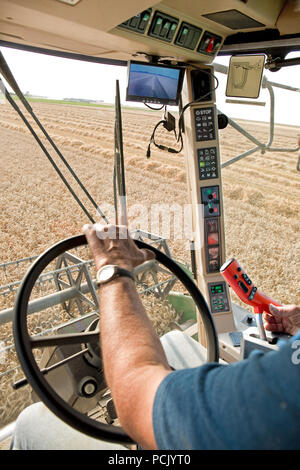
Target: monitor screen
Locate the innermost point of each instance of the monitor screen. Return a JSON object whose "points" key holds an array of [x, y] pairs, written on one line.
{"points": [[148, 83]]}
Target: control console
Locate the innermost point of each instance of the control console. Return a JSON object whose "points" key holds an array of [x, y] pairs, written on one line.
{"points": [[204, 171]]}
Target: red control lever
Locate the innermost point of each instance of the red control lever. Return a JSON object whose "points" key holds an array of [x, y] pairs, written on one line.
{"points": [[242, 285]]}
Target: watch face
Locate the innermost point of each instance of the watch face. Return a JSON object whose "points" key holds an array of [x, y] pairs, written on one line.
{"points": [[106, 273]]}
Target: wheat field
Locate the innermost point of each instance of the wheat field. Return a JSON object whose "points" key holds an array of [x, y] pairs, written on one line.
{"points": [[261, 192]]}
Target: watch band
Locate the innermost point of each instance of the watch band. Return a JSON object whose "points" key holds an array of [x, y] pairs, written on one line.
{"points": [[123, 272], [117, 271]]}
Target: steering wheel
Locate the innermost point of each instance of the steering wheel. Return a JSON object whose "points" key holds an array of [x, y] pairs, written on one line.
{"points": [[25, 343]]}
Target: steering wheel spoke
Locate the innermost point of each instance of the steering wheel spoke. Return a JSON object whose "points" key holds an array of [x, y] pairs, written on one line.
{"points": [[63, 340]]}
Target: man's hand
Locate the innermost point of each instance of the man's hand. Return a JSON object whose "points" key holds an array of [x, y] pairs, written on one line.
{"points": [[134, 360], [285, 319], [111, 244]]}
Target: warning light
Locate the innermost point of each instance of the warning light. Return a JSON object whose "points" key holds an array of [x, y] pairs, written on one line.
{"points": [[210, 47]]}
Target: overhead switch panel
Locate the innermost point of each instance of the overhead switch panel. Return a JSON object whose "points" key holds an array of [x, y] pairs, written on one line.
{"points": [[209, 44], [188, 36], [163, 27], [139, 22]]}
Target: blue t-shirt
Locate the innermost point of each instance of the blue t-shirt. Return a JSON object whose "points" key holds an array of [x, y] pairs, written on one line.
{"points": [[251, 404]]}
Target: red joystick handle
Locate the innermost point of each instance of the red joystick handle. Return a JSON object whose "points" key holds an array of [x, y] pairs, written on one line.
{"points": [[242, 285]]}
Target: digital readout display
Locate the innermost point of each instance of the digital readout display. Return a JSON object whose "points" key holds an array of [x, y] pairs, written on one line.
{"points": [[217, 289]]}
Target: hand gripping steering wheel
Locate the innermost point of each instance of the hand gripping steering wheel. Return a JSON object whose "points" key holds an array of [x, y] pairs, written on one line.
{"points": [[25, 344]]}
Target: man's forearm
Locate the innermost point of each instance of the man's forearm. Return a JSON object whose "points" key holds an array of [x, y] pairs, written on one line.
{"points": [[132, 353]]}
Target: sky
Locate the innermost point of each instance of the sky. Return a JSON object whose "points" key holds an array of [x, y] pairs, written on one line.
{"points": [[59, 78]]}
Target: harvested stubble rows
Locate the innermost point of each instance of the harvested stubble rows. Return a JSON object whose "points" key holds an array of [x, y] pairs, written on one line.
{"points": [[261, 195]]}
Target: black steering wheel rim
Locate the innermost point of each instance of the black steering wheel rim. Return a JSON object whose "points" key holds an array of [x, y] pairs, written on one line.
{"points": [[51, 399]]}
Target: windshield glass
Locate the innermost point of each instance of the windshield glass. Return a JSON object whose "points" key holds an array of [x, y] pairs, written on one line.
{"points": [[74, 101], [287, 101]]}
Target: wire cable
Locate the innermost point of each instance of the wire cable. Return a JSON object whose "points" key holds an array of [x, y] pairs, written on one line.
{"points": [[154, 109], [180, 119]]}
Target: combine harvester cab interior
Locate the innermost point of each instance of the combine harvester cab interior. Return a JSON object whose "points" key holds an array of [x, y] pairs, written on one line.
{"points": [[204, 305]]}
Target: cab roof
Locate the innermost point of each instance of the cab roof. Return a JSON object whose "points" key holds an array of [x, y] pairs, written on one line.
{"points": [[189, 31]]}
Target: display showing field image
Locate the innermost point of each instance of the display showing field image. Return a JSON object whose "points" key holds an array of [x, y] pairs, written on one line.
{"points": [[152, 82]]}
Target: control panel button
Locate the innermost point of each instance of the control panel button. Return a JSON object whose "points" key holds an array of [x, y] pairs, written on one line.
{"points": [[212, 245], [163, 26], [171, 31], [182, 35], [188, 36], [144, 21], [134, 21], [138, 23], [157, 26], [207, 160], [209, 43], [165, 29], [204, 124], [252, 293], [243, 286], [210, 201], [218, 297], [246, 279]]}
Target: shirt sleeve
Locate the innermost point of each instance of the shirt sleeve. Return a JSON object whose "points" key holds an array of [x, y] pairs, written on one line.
{"points": [[251, 404]]}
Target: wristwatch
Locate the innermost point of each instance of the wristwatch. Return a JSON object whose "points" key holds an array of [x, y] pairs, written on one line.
{"points": [[110, 272]]}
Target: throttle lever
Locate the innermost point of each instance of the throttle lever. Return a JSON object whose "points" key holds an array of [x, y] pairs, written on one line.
{"points": [[242, 285]]}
